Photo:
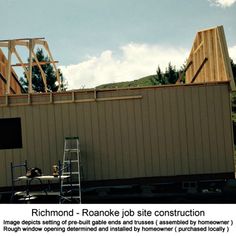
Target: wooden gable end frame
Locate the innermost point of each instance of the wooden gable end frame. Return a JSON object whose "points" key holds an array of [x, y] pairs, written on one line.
{"points": [[209, 58], [29, 43]]}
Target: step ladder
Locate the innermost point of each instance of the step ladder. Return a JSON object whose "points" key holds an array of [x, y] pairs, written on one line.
{"points": [[70, 189]]}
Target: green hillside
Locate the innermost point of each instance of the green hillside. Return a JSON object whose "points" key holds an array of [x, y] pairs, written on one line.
{"points": [[145, 81], [170, 76]]}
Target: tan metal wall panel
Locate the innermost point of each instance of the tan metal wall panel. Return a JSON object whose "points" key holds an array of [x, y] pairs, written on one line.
{"points": [[170, 131], [204, 129], [79, 111], [148, 165], [190, 130], [153, 131], [111, 129], [89, 157], [96, 140], [220, 145], [227, 125], [197, 151], [37, 133], [52, 134], [161, 134], [182, 128], [132, 138], [124, 138], [140, 158], [102, 148], [212, 127], [118, 151], [177, 160]]}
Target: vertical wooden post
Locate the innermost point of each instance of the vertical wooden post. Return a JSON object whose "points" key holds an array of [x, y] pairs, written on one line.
{"points": [[45, 44], [41, 71], [58, 79], [30, 90], [9, 67]]}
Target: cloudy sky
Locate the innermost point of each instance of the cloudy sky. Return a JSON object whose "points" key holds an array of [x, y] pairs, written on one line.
{"points": [[103, 41]]}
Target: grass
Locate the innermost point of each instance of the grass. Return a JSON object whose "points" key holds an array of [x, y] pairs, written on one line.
{"points": [[145, 81]]}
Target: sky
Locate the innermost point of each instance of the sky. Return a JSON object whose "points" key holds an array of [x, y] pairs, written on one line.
{"points": [[105, 41]]}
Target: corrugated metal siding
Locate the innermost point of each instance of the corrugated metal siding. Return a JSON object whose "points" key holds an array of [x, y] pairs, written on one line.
{"points": [[170, 131]]}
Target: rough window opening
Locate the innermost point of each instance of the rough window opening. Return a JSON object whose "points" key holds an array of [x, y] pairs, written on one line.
{"points": [[10, 133]]}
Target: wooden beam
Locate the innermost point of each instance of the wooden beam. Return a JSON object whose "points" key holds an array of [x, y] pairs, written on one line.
{"points": [[4, 45], [9, 68], [41, 71], [22, 43], [50, 100], [54, 65], [5, 82], [35, 64], [199, 46], [182, 74], [199, 70], [211, 28], [40, 42], [18, 43], [22, 64], [20, 39], [31, 46]]}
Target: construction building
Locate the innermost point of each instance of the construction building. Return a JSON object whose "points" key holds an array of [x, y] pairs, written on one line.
{"points": [[133, 135]]}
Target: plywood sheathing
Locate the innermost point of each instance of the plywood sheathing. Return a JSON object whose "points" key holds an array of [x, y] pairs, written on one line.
{"points": [[210, 51]]}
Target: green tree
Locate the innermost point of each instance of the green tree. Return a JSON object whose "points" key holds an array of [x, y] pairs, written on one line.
{"points": [[159, 77], [64, 83], [50, 74], [171, 74], [233, 65]]}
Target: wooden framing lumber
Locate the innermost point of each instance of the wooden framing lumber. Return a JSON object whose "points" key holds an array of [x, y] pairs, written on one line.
{"points": [[54, 65], [22, 64], [182, 74], [199, 70], [21, 39], [210, 44], [50, 99], [31, 48], [15, 86], [41, 71], [27, 67], [34, 63], [9, 67]]}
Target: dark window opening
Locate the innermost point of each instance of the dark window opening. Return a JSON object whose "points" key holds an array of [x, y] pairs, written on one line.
{"points": [[10, 133]]}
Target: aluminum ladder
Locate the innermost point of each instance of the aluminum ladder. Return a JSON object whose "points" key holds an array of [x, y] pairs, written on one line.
{"points": [[70, 189]]}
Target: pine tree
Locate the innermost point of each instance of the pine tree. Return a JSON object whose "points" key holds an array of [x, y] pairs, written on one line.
{"points": [[233, 65], [50, 74], [171, 74], [160, 78]]}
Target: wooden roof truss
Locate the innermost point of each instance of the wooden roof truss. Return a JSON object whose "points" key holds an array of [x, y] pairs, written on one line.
{"points": [[30, 44], [209, 58]]}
